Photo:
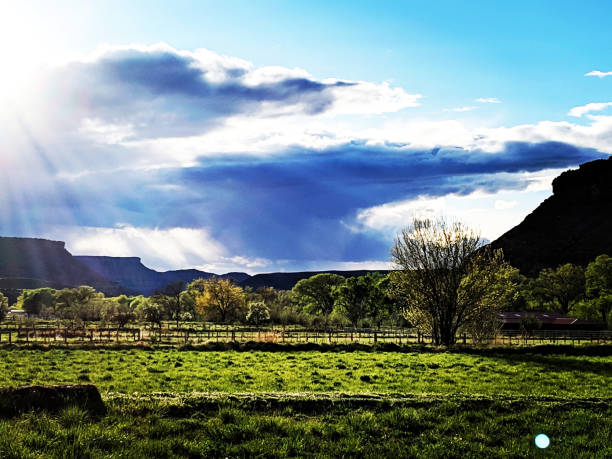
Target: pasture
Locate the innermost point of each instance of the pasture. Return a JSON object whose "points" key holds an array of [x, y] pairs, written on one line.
{"points": [[174, 370], [145, 428], [182, 402]]}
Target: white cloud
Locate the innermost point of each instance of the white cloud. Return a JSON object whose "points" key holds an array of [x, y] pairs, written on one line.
{"points": [[588, 108], [468, 108], [179, 248], [108, 144], [597, 73], [490, 213], [366, 98], [488, 100], [275, 127], [122, 93], [500, 204], [172, 248], [160, 249]]}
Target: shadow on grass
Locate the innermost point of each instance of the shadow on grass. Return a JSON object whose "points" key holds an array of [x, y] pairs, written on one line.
{"points": [[595, 350], [556, 363]]}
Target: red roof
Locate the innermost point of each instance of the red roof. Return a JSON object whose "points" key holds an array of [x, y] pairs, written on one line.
{"points": [[553, 318]]}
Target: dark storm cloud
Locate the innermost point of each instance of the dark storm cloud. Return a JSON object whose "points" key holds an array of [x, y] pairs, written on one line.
{"points": [[299, 205], [302, 203], [163, 93]]}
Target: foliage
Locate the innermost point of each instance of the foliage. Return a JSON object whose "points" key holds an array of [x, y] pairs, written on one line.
{"points": [[445, 281], [221, 300], [599, 277], [559, 287], [599, 287], [150, 311], [488, 285], [315, 294], [33, 301], [257, 312], [3, 307], [122, 310], [530, 323], [169, 300], [361, 297]]}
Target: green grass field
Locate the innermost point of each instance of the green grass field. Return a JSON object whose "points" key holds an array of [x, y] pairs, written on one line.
{"points": [[187, 403], [173, 370], [141, 428]]}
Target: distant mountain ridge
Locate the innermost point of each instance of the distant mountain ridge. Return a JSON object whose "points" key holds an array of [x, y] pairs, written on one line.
{"points": [[286, 281], [574, 225], [27, 262], [138, 279]]}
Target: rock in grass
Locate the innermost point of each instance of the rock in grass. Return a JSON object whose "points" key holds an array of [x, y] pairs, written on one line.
{"points": [[16, 400]]}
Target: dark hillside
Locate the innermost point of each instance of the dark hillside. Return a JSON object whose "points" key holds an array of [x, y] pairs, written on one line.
{"points": [[25, 262], [138, 279], [574, 225]]}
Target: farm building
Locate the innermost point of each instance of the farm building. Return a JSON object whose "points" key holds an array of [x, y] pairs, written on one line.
{"points": [[545, 321]]}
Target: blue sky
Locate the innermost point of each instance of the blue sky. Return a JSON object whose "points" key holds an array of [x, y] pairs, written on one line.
{"points": [[263, 136]]}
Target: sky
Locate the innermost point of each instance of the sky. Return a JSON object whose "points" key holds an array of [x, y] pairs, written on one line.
{"points": [[282, 135]]}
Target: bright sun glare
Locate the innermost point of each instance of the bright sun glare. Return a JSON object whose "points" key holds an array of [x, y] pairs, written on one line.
{"points": [[26, 45]]}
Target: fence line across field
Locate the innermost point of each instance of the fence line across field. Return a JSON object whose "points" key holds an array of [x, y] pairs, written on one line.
{"points": [[46, 333]]}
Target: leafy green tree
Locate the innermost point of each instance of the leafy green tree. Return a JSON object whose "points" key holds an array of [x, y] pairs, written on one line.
{"points": [[284, 310], [221, 299], [484, 291], [257, 312], [82, 303], [169, 298], [123, 311], [189, 295], [359, 297], [561, 286], [599, 277], [517, 299], [149, 311], [382, 304], [4, 308], [315, 294], [267, 294], [598, 304], [33, 301], [446, 280]]}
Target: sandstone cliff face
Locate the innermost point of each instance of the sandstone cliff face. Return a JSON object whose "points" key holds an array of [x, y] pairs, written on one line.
{"points": [[138, 279], [25, 262], [574, 225]]}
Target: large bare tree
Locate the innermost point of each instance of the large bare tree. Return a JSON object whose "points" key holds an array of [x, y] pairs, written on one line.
{"points": [[446, 281]]}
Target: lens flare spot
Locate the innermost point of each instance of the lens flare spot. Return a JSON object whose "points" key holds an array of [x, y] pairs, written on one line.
{"points": [[542, 441]]}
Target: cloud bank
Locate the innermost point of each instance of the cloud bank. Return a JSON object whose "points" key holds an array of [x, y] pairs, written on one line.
{"points": [[158, 91], [195, 159]]}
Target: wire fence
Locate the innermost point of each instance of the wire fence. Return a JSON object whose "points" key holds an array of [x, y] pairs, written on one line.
{"points": [[202, 334]]}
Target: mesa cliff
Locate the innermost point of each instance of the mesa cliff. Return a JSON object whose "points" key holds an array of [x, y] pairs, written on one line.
{"points": [[574, 225]]}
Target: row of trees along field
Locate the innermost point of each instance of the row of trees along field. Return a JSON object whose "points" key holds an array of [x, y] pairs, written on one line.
{"points": [[445, 282]]}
